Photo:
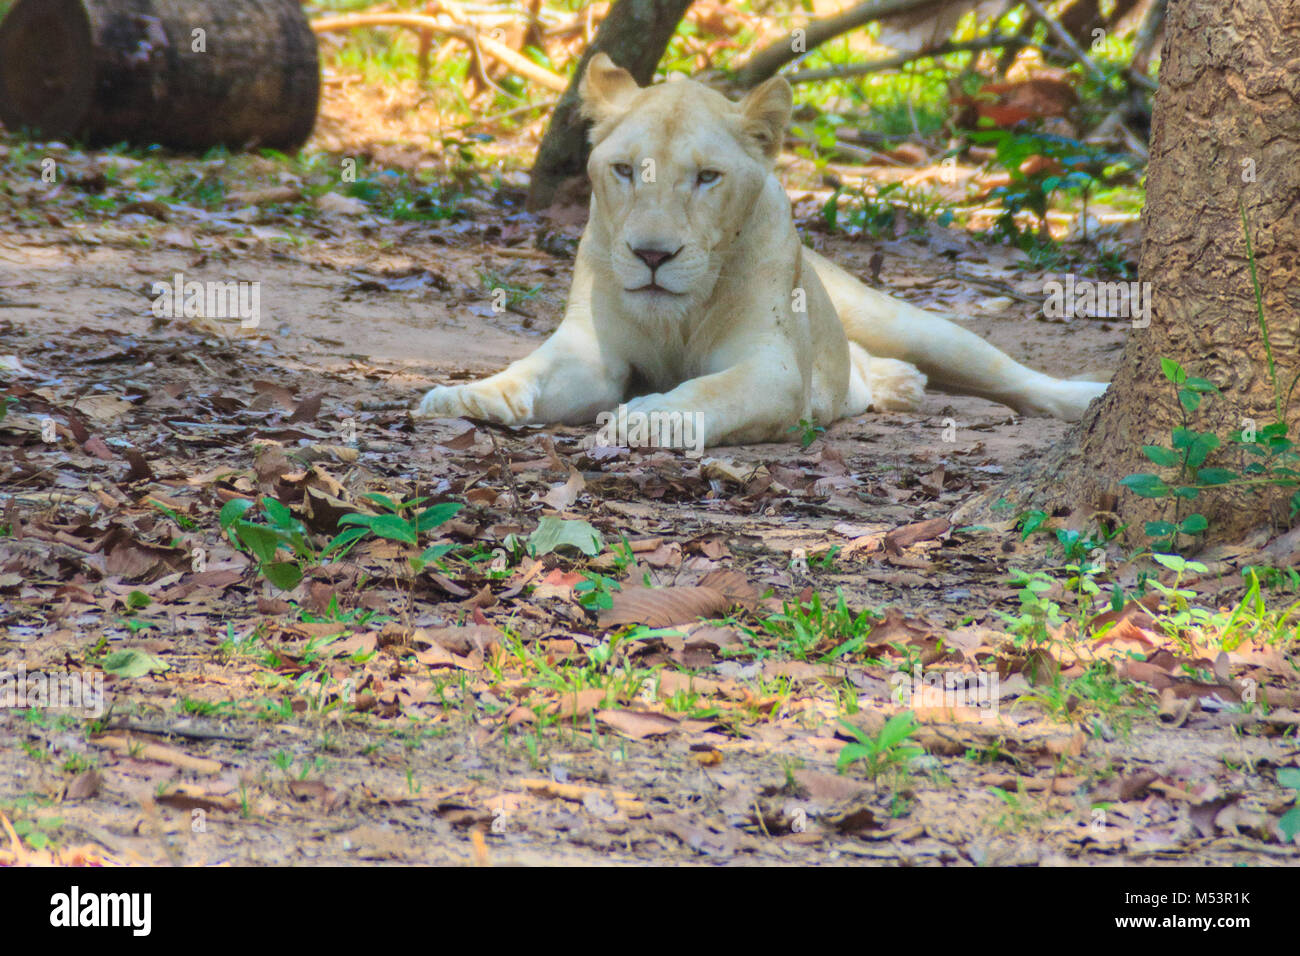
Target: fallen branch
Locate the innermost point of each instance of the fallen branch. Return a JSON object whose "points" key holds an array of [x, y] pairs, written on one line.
{"points": [[516, 62], [902, 59], [864, 156], [140, 750], [544, 106], [768, 60]]}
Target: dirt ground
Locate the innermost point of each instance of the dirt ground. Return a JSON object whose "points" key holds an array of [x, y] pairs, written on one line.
{"points": [[353, 719]]}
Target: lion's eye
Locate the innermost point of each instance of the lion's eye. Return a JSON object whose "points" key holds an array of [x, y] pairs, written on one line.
{"points": [[623, 171], [707, 176]]}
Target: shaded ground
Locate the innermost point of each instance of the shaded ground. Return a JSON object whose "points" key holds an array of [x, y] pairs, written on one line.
{"points": [[355, 718]]}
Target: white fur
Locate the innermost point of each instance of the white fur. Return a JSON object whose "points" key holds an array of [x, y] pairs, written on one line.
{"points": [[749, 329]]}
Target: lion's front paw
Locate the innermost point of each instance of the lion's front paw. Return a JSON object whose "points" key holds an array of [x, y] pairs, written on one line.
{"points": [[652, 421], [473, 401], [644, 404], [442, 402]]}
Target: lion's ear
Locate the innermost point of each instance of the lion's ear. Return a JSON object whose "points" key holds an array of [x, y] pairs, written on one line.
{"points": [[766, 111], [606, 89]]}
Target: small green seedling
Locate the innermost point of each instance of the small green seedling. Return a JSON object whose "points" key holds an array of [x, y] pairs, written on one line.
{"points": [[888, 750]]}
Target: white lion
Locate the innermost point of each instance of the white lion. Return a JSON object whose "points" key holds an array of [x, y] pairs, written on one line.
{"points": [[693, 296]]}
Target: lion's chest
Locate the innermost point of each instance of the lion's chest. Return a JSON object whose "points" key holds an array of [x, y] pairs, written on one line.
{"points": [[662, 372], [662, 359]]}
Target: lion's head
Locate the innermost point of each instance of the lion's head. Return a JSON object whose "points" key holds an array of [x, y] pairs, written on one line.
{"points": [[676, 170]]}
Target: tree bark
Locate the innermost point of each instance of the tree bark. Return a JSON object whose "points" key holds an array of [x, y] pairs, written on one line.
{"points": [[189, 74], [1226, 130], [635, 34]]}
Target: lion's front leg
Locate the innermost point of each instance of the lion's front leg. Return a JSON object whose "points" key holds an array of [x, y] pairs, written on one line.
{"points": [[565, 380], [756, 400]]}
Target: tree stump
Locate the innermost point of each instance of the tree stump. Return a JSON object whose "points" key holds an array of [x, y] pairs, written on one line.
{"points": [[188, 74]]}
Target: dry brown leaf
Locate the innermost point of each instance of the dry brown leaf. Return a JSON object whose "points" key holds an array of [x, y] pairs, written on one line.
{"points": [[561, 497], [572, 791], [84, 785], [461, 640], [664, 607], [253, 197], [637, 724], [438, 656], [910, 534], [578, 704], [307, 409]]}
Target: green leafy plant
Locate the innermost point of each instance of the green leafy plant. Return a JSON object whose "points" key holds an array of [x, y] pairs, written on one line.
{"points": [[399, 521], [1186, 458], [136, 601], [1029, 522], [181, 521], [1070, 165], [1273, 578], [826, 560], [499, 286], [334, 614], [1178, 615], [1019, 812], [818, 142], [1039, 616], [1081, 581], [281, 531], [875, 209], [809, 628], [596, 591], [1097, 692], [888, 750], [1276, 462], [1289, 824], [37, 832], [809, 431]]}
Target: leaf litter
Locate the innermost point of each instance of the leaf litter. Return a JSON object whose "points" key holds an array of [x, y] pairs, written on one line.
{"points": [[603, 654]]}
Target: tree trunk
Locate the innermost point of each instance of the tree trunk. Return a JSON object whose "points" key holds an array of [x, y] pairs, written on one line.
{"points": [[635, 34], [189, 74], [1226, 131]]}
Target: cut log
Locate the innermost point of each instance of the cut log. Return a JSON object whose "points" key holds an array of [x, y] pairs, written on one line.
{"points": [[187, 74]]}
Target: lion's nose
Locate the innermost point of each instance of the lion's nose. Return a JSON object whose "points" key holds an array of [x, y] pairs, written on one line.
{"points": [[654, 258]]}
